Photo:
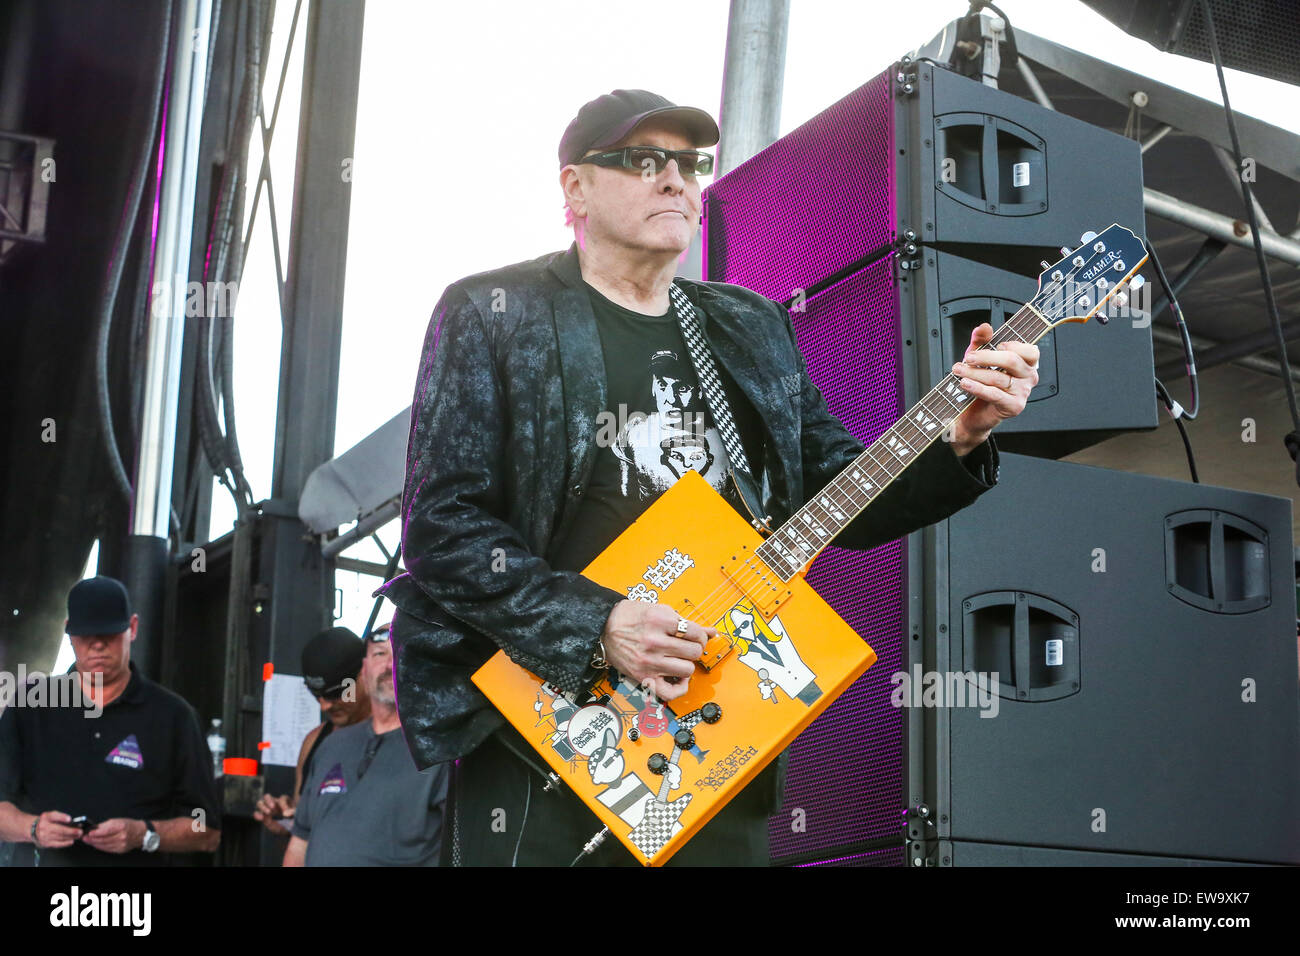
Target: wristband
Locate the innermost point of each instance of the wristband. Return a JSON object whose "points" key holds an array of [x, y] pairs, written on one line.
{"points": [[34, 823]]}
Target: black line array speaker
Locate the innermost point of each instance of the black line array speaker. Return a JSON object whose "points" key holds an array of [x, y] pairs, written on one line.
{"points": [[1147, 696], [1091, 376], [992, 184], [966, 188], [892, 223], [1258, 36]]}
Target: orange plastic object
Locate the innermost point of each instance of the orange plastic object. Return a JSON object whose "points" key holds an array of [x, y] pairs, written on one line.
{"points": [[782, 670], [268, 669], [239, 767]]}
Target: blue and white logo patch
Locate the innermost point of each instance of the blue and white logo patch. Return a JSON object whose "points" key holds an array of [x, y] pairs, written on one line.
{"points": [[333, 782], [126, 754]]}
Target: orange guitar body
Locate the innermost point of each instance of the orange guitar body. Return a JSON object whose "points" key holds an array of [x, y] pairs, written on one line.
{"points": [[781, 657]]}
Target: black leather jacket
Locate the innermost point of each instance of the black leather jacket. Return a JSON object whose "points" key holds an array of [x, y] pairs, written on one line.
{"points": [[502, 444]]}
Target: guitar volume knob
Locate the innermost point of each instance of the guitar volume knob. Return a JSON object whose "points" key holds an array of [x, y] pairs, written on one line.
{"points": [[711, 713], [684, 739], [658, 764]]}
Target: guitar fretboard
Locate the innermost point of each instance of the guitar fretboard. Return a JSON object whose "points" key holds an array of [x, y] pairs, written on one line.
{"points": [[794, 545]]}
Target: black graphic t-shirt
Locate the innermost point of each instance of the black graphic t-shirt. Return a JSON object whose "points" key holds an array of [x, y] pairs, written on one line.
{"points": [[657, 426]]}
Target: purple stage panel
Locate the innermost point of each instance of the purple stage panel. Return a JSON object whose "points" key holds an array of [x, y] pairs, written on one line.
{"points": [[815, 202], [846, 770], [890, 856]]}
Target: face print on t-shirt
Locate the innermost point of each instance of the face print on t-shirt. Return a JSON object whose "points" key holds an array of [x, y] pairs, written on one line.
{"points": [[656, 448]]}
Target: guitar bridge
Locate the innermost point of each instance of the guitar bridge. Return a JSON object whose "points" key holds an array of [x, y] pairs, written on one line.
{"points": [[716, 650], [767, 589], [764, 588]]}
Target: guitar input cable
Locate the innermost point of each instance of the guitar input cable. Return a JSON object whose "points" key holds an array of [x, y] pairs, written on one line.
{"points": [[1176, 411], [552, 786], [590, 846]]}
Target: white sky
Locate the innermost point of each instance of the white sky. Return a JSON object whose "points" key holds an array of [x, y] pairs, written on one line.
{"points": [[462, 107]]}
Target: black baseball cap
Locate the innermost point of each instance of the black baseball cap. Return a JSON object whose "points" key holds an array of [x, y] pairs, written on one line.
{"points": [[329, 659], [607, 119], [98, 605]]}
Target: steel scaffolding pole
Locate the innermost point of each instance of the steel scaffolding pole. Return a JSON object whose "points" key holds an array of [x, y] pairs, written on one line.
{"points": [[145, 559]]}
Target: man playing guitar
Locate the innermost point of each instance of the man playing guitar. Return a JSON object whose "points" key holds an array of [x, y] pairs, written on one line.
{"points": [[514, 484]]}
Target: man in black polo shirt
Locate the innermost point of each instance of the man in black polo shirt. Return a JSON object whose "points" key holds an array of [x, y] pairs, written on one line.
{"points": [[128, 755]]}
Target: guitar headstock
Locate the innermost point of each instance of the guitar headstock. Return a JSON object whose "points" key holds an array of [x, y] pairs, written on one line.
{"points": [[1078, 285]]}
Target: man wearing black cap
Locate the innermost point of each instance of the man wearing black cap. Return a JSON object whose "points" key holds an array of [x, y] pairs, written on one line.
{"points": [[331, 669], [363, 803], [124, 788], [512, 486]]}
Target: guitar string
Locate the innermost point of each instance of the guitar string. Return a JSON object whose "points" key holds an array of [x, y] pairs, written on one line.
{"points": [[726, 602], [990, 346], [716, 602], [800, 546], [736, 584], [707, 608], [743, 584]]}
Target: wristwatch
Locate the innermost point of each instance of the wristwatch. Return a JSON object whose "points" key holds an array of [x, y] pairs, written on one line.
{"points": [[151, 838]]}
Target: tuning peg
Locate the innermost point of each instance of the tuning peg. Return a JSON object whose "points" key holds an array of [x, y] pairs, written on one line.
{"points": [[1065, 251], [1121, 299], [1136, 283], [1087, 237], [1044, 265]]}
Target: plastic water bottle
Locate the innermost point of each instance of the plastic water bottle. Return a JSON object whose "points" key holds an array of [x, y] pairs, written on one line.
{"points": [[217, 744]]}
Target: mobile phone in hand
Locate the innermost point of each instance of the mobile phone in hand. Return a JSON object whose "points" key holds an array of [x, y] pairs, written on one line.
{"points": [[85, 823]]}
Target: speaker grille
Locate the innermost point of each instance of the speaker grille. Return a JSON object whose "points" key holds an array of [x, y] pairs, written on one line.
{"points": [[892, 856], [846, 770], [810, 205]]}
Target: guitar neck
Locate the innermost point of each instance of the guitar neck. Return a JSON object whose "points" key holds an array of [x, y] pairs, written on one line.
{"points": [[794, 545]]}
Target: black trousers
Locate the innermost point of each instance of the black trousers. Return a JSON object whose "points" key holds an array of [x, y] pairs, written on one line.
{"points": [[502, 817]]}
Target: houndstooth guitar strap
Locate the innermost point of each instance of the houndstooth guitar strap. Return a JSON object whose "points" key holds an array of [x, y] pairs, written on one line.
{"points": [[716, 396]]}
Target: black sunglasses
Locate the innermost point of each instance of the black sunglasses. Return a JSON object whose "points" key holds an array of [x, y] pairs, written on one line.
{"points": [[690, 162]]}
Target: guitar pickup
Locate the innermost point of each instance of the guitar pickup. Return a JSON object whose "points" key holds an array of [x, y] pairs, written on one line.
{"points": [[763, 588], [767, 589]]}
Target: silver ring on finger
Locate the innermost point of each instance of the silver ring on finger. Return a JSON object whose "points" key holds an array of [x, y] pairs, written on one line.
{"points": [[1010, 380], [682, 624]]}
